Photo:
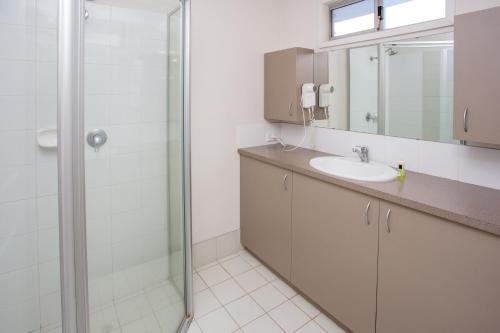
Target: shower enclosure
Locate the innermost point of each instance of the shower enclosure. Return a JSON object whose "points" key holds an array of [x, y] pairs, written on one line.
{"points": [[94, 166]]}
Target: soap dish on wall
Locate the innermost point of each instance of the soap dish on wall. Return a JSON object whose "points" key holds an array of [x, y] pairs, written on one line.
{"points": [[47, 138]]}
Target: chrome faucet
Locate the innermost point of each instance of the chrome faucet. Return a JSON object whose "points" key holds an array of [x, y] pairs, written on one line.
{"points": [[362, 153]]}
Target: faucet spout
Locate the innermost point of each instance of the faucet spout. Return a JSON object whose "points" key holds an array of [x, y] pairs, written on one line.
{"points": [[362, 152]]}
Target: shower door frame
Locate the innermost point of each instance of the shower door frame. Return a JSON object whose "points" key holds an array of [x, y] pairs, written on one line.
{"points": [[71, 167]]}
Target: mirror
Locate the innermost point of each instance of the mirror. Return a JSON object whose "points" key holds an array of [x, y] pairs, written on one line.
{"points": [[399, 88]]}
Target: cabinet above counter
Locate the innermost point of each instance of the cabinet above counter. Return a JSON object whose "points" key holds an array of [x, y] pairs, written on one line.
{"points": [[470, 205]]}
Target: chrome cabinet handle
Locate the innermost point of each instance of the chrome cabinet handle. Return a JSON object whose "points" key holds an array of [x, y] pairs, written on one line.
{"points": [[284, 182], [366, 213], [290, 113], [387, 226], [466, 116]]}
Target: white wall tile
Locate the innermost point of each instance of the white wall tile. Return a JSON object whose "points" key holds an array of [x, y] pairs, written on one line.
{"points": [[47, 212], [100, 262], [17, 12], [98, 232], [17, 148], [49, 277], [125, 197], [50, 308], [19, 42], [97, 79], [17, 183], [126, 226], [124, 168], [399, 149], [46, 43], [24, 317], [127, 254], [17, 112], [155, 245], [47, 13], [19, 286], [97, 172], [46, 112], [46, 178], [46, 78], [438, 159], [18, 252], [479, 166], [98, 202], [17, 78], [97, 110], [17, 218], [48, 244]]}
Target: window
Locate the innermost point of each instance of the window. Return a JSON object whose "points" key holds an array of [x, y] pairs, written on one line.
{"points": [[354, 16], [398, 13]]}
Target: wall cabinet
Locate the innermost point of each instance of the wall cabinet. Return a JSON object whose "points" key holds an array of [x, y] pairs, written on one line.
{"points": [[477, 77], [435, 275], [266, 199], [284, 73], [334, 250], [374, 266]]}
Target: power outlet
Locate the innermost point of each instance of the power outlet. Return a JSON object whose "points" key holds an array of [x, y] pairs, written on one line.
{"points": [[270, 137]]}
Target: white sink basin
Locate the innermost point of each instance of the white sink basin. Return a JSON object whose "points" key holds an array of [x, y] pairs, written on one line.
{"points": [[354, 169]]}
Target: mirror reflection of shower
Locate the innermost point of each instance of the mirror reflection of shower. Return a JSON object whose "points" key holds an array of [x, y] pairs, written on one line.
{"points": [[390, 51], [86, 15]]}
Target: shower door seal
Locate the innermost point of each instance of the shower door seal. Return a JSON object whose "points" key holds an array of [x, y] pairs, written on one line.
{"points": [[71, 168], [186, 94]]}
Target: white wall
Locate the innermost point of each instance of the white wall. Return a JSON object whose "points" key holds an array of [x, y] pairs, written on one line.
{"points": [[29, 280], [229, 39], [228, 42]]}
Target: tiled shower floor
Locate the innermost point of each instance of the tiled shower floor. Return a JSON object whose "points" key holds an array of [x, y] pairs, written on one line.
{"points": [[238, 294], [155, 310]]}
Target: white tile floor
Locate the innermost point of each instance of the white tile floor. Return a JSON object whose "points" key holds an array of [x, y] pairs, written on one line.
{"points": [[239, 294], [235, 294], [158, 309]]}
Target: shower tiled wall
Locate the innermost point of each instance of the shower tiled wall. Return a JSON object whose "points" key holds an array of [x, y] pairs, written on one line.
{"points": [[126, 56], [126, 94], [29, 254]]}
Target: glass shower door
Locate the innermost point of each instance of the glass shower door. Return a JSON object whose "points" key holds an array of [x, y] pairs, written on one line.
{"points": [[134, 166]]}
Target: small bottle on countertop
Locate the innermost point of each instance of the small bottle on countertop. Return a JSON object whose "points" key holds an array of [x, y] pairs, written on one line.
{"points": [[401, 171]]}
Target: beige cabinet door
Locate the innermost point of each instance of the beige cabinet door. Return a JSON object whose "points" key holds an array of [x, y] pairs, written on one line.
{"points": [[280, 86], [477, 77], [435, 275], [284, 73], [266, 195], [334, 250]]}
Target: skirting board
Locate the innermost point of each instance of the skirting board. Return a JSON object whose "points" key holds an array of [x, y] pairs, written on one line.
{"points": [[216, 248]]}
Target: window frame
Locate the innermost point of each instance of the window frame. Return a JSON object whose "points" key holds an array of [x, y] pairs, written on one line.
{"points": [[346, 3], [447, 20]]}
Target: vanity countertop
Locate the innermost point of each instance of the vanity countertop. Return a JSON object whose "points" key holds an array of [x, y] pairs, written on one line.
{"points": [[474, 206]]}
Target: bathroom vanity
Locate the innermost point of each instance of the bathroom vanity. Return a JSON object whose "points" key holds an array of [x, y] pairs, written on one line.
{"points": [[417, 256]]}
